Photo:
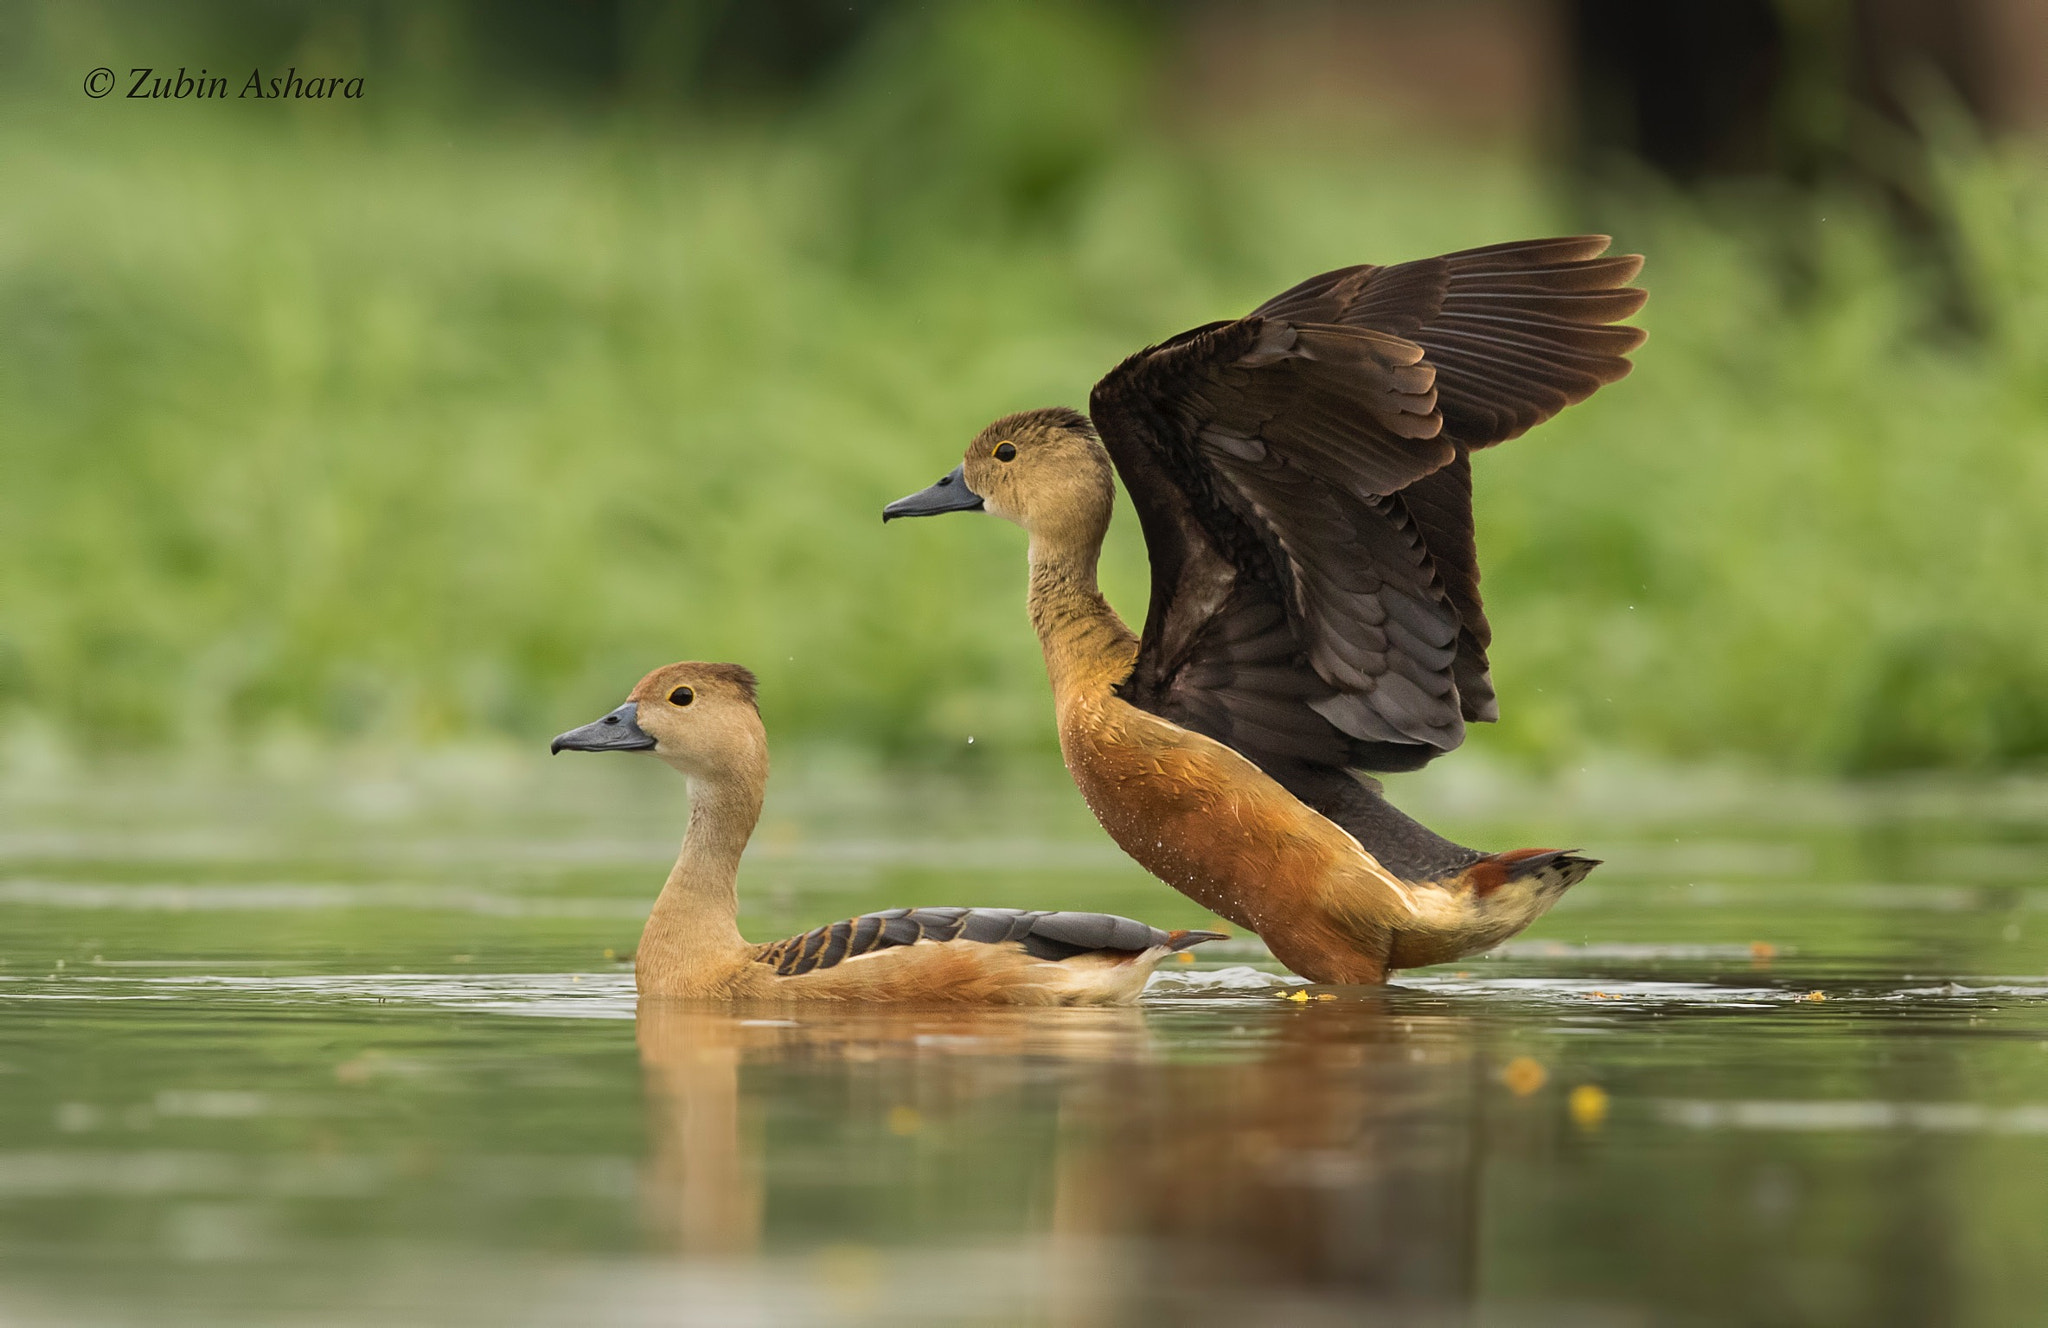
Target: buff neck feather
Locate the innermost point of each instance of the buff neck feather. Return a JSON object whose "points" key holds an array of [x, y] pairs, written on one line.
{"points": [[1087, 647], [695, 920]]}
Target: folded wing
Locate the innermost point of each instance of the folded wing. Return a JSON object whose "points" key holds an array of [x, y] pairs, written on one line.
{"points": [[1044, 934]]}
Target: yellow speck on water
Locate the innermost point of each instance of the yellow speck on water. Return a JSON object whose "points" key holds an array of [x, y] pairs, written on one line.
{"points": [[1301, 996], [1326, 995], [1762, 952], [1184, 958], [1523, 1075], [610, 953], [905, 1121], [1588, 1106], [1815, 996], [575, 977]]}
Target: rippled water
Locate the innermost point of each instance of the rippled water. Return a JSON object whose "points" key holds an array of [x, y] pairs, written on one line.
{"points": [[357, 1050]]}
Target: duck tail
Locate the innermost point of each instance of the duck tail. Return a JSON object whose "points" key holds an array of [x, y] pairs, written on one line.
{"points": [[1559, 868]]}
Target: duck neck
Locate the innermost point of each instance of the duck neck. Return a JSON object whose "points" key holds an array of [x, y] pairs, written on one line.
{"points": [[697, 914], [1087, 647]]}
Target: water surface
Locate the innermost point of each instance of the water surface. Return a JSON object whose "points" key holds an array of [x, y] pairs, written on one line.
{"points": [[355, 1049]]}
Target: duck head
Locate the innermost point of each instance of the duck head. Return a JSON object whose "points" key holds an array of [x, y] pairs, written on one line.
{"points": [[1044, 470], [700, 718]]}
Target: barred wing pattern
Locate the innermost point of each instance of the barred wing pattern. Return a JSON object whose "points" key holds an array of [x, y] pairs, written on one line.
{"points": [[1043, 934], [1303, 479]]}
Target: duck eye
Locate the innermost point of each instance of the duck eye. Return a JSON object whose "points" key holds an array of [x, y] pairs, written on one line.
{"points": [[1006, 452], [681, 696]]}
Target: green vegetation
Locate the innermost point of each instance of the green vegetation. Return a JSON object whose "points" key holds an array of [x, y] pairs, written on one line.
{"points": [[321, 423]]}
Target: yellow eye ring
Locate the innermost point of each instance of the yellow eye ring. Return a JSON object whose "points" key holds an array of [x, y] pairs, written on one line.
{"points": [[681, 696], [1005, 452]]}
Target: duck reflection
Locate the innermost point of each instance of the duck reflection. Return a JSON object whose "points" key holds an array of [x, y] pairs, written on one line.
{"points": [[906, 1070], [1197, 1158], [1334, 1164], [702, 1188]]}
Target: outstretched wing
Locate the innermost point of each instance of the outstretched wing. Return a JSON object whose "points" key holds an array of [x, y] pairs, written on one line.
{"points": [[1043, 934], [1302, 476]]}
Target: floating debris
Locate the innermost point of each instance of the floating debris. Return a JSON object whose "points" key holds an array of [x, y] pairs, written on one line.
{"points": [[1524, 1075], [1588, 1106]]}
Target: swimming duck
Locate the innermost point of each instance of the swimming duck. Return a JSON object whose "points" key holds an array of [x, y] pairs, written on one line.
{"points": [[702, 719], [1303, 479]]}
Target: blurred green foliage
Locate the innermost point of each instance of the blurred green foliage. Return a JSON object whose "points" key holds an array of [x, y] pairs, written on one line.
{"points": [[369, 426]]}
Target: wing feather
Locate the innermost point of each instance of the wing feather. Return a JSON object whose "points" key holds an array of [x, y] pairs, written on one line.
{"points": [[1044, 934], [1304, 483]]}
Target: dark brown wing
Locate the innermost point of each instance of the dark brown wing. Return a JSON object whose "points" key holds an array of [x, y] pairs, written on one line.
{"points": [[1044, 934], [1303, 480]]}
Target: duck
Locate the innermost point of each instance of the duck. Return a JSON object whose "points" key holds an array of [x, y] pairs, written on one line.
{"points": [[704, 720], [1303, 480]]}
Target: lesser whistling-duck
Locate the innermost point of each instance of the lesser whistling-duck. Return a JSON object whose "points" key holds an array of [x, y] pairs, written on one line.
{"points": [[702, 719], [1303, 479]]}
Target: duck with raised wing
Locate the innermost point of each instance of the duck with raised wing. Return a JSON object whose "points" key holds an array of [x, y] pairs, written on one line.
{"points": [[1303, 479], [702, 719]]}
